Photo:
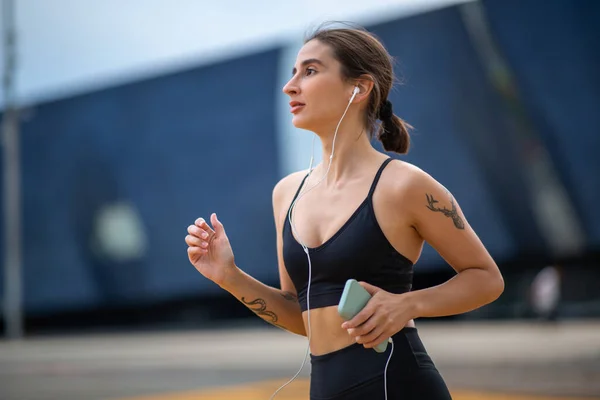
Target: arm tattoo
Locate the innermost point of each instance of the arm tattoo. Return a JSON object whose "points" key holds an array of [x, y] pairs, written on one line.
{"points": [[453, 213], [259, 306]]}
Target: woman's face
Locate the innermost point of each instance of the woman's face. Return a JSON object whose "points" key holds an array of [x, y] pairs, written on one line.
{"points": [[318, 95]]}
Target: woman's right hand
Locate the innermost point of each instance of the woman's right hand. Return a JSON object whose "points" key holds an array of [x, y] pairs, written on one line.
{"points": [[209, 250]]}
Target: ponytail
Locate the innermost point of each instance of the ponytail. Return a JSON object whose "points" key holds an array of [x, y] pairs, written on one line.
{"points": [[393, 131]]}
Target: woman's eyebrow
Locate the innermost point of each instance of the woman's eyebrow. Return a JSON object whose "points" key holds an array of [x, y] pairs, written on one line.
{"points": [[308, 61]]}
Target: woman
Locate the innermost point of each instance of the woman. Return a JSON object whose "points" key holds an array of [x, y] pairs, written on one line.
{"points": [[358, 215]]}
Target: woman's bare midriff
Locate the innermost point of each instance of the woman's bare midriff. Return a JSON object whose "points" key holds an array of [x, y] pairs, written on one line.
{"points": [[327, 334]]}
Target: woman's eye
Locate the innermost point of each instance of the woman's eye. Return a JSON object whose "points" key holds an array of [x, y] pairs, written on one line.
{"points": [[309, 71]]}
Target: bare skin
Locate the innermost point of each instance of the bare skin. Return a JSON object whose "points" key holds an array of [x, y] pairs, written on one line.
{"points": [[326, 211], [410, 206]]}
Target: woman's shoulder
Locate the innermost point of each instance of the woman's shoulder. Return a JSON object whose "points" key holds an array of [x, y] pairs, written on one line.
{"points": [[406, 187], [402, 178], [287, 186], [403, 172]]}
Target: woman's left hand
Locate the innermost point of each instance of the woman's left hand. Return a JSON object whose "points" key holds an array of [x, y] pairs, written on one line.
{"points": [[384, 315]]}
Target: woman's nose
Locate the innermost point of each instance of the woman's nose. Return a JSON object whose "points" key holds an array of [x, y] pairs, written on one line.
{"points": [[291, 88]]}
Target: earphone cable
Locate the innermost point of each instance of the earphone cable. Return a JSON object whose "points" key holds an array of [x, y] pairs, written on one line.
{"points": [[304, 247]]}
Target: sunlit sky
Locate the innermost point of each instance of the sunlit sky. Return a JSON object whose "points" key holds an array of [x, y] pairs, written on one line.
{"points": [[71, 46]]}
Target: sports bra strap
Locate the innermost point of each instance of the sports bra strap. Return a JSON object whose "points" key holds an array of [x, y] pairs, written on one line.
{"points": [[378, 175], [299, 188], [371, 190]]}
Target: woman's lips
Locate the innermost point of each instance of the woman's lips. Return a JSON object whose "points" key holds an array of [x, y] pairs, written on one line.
{"points": [[296, 106], [295, 109]]}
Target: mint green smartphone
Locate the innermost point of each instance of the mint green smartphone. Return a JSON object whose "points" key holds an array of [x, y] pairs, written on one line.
{"points": [[353, 299]]}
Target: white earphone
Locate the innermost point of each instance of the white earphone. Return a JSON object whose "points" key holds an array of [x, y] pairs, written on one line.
{"points": [[305, 248]]}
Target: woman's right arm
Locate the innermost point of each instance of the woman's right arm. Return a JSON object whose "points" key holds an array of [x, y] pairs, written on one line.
{"points": [[278, 307], [214, 259]]}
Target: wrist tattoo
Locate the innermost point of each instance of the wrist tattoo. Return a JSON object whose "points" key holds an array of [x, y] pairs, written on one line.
{"points": [[453, 213], [259, 307]]}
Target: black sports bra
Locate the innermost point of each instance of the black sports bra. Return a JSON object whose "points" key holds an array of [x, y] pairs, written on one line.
{"points": [[358, 250]]}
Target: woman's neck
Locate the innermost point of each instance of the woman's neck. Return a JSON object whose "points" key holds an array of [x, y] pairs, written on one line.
{"points": [[351, 151]]}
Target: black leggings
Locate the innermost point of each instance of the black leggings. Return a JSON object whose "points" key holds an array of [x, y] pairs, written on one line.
{"points": [[354, 373]]}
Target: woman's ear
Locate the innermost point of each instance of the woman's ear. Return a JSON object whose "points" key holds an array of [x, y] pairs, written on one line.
{"points": [[365, 86]]}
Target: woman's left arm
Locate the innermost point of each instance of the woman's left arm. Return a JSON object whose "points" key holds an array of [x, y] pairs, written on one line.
{"points": [[437, 217]]}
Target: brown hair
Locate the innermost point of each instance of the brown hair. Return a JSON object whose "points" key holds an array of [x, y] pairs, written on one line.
{"points": [[362, 53]]}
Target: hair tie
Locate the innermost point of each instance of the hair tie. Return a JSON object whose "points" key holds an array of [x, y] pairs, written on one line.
{"points": [[385, 111]]}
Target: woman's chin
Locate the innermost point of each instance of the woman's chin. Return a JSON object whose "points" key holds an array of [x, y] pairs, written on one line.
{"points": [[304, 123], [300, 123]]}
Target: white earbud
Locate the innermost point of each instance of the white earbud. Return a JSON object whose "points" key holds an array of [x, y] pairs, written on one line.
{"points": [[354, 93]]}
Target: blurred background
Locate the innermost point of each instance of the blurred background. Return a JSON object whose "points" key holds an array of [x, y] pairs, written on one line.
{"points": [[123, 122]]}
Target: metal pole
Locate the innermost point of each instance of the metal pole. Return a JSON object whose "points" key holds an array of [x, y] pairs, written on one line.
{"points": [[12, 304]]}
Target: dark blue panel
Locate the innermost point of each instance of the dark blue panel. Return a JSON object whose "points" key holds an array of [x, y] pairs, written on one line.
{"points": [[176, 147], [443, 81], [553, 48]]}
